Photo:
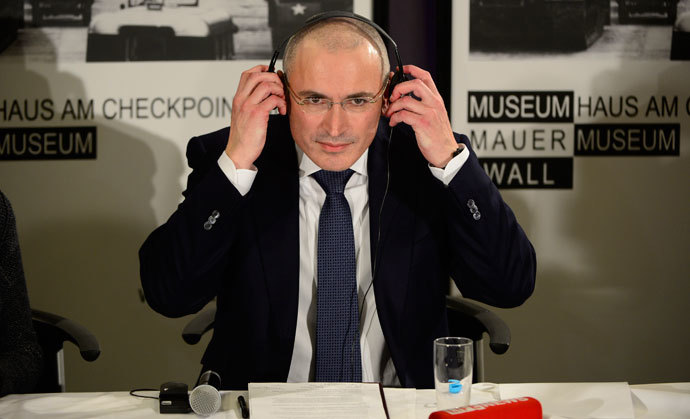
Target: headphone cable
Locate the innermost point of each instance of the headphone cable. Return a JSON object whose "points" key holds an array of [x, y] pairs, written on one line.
{"points": [[376, 249]]}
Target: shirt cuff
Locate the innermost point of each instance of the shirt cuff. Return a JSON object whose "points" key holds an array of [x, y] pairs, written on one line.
{"points": [[447, 174], [241, 179]]}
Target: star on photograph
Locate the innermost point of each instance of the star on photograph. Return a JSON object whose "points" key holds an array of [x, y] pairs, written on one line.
{"points": [[298, 9]]}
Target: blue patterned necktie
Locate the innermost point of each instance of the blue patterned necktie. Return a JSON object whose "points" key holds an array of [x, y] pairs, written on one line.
{"points": [[338, 356]]}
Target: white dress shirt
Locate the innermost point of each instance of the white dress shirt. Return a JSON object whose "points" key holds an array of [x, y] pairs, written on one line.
{"points": [[377, 364]]}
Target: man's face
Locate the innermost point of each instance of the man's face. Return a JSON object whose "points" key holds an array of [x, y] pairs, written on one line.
{"points": [[334, 140]]}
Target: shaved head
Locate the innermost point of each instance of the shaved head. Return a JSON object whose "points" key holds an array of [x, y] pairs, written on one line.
{"points": [[335, 35]]}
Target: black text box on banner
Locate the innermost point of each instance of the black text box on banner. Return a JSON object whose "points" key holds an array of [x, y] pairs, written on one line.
{"points": [[48, 143], [530, 172], [627, 139], [520, 106]]}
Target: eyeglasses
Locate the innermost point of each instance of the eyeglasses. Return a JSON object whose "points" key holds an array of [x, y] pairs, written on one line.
{"points": [[319, 105]]}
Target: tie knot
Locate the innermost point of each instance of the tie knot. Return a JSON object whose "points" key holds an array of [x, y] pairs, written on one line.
{"points": [[333, 182]]}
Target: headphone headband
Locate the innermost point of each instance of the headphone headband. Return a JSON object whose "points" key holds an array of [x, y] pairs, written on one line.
{"points": [[397, 77], [337, 13]]}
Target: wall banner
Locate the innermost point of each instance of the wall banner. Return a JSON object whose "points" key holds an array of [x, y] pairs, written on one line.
{"points": [[530, 47], [580, 111], [98, 99]]}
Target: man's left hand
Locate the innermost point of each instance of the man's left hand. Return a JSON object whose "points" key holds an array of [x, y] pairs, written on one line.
{"points": [[428, 117]]}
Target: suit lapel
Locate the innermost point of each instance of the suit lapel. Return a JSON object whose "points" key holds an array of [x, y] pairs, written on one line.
{"points": [[275, 210], [390, 281], [379, 217]]}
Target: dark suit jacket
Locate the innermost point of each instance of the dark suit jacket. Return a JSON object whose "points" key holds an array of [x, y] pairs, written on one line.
{"points": [[249, 259]]}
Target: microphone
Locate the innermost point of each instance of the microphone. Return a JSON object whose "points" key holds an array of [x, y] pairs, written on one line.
{"points": [[518, 408], [205, 398]]}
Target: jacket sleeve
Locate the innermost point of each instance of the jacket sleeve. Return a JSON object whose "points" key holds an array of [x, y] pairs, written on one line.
{"points": [[183, 261], [492, 260]]}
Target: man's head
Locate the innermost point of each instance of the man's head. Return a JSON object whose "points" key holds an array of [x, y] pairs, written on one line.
{"points": [[337, 60]]}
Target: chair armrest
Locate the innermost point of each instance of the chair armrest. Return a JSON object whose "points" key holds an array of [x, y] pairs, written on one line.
{"points": [[70, 330], [201, 323], [485, 321]]}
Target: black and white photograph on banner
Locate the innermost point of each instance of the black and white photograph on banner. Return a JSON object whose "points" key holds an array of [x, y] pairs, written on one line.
{"points": [[151, 30], [596, 29]]}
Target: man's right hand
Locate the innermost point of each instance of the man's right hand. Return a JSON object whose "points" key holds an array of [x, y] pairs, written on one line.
{"points": [[257, 94]]}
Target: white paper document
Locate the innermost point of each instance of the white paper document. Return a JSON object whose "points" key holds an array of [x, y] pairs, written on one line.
{"points": [[661, 401], [576, 400], [402, 403], [316, 400]]}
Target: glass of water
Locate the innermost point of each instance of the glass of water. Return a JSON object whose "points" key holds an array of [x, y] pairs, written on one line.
{"points": [[453, 360]]}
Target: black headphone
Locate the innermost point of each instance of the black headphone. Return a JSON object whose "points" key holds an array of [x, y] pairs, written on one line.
{"points": [[398, 77]]}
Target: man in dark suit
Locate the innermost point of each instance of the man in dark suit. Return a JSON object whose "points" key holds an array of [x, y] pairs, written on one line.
{"points": [[251, 229]]}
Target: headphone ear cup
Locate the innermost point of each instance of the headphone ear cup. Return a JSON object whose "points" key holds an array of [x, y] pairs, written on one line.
{"points": [[398, 77], [286, 92]]}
